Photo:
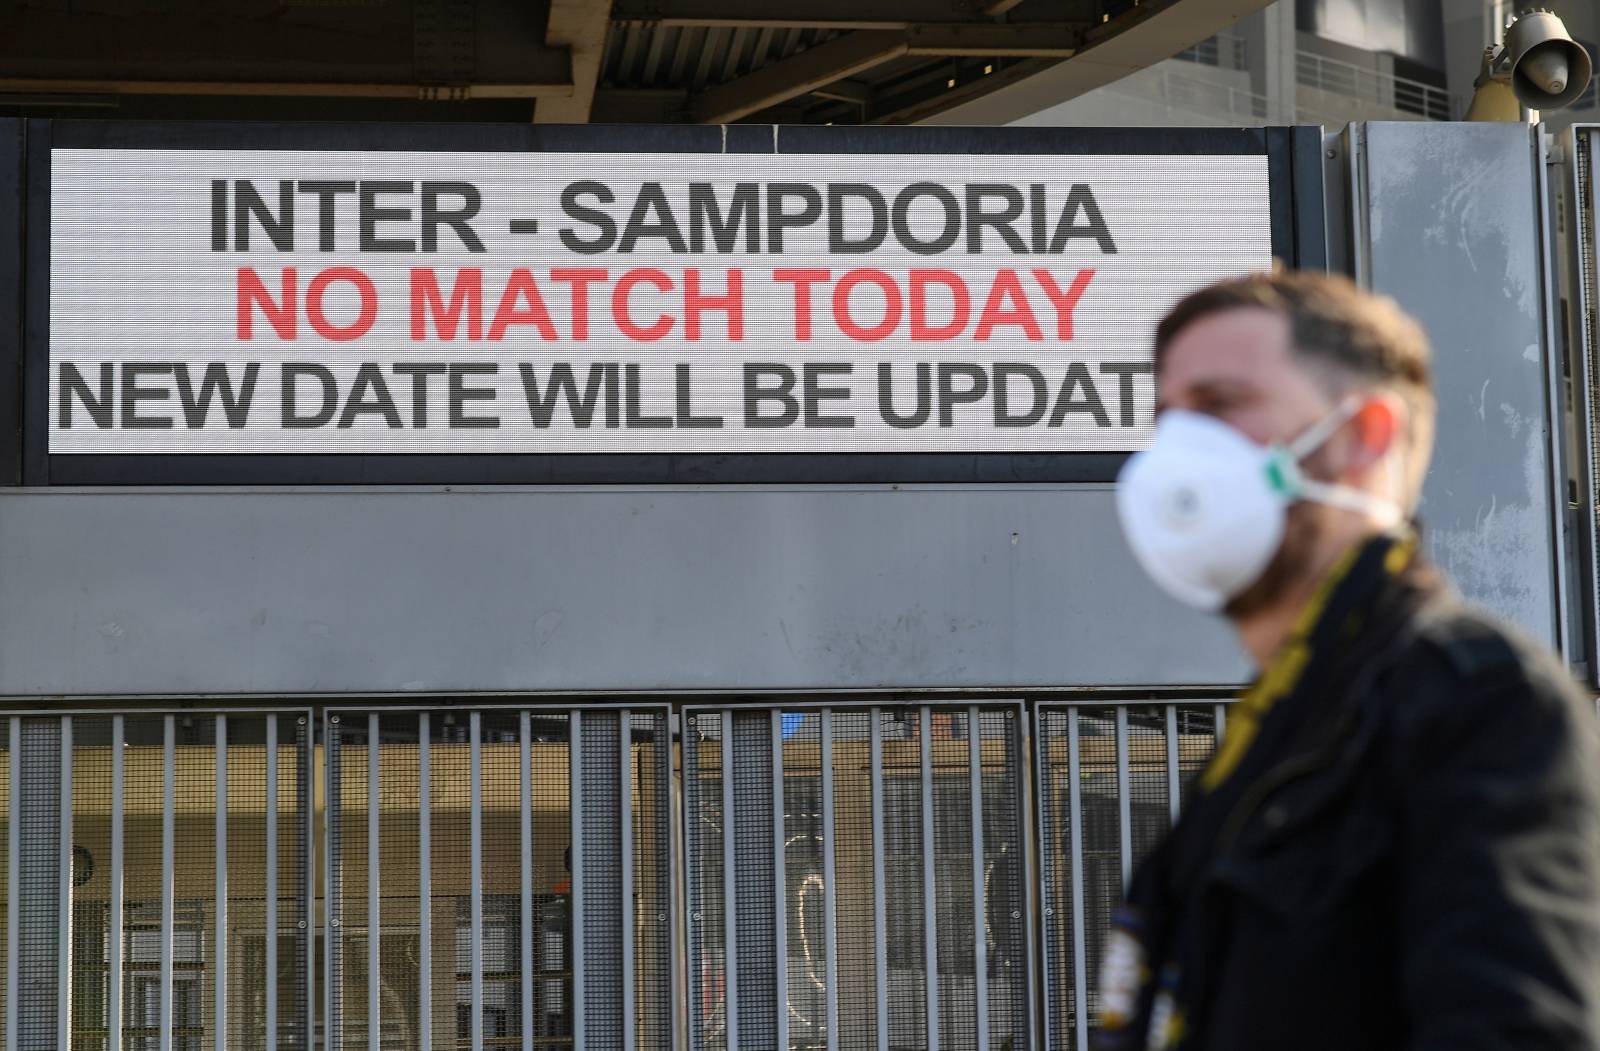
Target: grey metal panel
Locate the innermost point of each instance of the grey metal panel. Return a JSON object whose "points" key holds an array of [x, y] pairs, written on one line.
{"points": [[294, 591], [1452, 233]]}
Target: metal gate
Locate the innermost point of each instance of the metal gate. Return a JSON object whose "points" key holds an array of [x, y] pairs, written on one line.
{"points": [[157, 877], [1111, 780], [857, 877], [499, 878], [854, 876]]}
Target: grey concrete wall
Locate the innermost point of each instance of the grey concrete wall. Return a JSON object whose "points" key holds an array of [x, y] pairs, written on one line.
{"points": [[684, 589]]}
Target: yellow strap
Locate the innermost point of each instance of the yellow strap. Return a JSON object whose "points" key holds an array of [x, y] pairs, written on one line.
{"points": [[1280, 677]]}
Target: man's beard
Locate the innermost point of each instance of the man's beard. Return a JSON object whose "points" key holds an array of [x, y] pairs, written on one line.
{"points": [[1289, 568]]}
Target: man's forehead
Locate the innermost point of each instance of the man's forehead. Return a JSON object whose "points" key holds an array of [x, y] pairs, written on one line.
{"points": [[1240, 341]]}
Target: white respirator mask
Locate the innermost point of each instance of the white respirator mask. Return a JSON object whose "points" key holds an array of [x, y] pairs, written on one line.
{"points": [[1204, 508]]}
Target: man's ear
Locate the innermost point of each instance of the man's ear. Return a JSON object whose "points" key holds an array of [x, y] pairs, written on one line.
{"points": [[1376, 426]]}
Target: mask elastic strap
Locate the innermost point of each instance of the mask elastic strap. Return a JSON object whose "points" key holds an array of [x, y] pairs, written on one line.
{"points": [[1387, 512], [1312, 438], [1309, 441]]}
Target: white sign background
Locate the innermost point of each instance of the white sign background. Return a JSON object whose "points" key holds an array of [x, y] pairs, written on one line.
{"points": [[134, 278]]}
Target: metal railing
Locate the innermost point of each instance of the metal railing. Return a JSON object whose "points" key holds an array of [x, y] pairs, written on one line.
{"points": [[1371, 86], [1199, 95], [499, 878], [857, 878], [1111, 781], [157, 880], [846, 875]]}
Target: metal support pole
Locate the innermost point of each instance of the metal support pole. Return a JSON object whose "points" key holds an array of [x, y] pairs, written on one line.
{"points": [[271, 822], [1221, 714], [830, 885], [880, 906], [475, 821], [1030, 744], [1080, 955], [220, 1019], [525, 814], [780, 910], [1124, 804], [374, 900], [575, 912], [333, 887], [13, 884], [625, 821], [306, 872], [425, 881], [1174, 766], [64, 894], [930, 893], [169, 806], [980, 923], [730, 900], [114, 906]]}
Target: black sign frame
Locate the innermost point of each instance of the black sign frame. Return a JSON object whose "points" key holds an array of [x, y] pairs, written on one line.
{"points": [[1297, 211]]}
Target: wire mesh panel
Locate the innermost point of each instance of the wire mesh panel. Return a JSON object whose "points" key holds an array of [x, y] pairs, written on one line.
{"points": [[856, 878], [1111, 780], [462, 843], [139, 906]]}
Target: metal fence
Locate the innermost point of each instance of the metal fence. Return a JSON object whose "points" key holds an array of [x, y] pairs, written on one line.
{"points": [[1371, 86], [857, 878], [499, 879], [1111, 780], [852, 876], [157, 881]]}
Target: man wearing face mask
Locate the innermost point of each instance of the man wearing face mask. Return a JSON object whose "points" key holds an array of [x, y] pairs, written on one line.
{"points": [[1397, 843]]}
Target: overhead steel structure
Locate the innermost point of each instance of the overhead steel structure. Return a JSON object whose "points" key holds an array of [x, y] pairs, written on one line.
{"points": [[576, 61]]}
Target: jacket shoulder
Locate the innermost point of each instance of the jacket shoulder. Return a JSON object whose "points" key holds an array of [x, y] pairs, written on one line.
{"points": [[1461, 658]]}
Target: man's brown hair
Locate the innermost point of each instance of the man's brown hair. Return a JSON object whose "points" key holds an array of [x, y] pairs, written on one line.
{"points": [[1347, 339]]}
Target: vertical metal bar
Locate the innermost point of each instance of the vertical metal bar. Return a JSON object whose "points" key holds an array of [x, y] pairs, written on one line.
{"points": [[1174, 767], [980, 923], [271, 821], [64, 894], [525, 780], [1124, 804], [575, 911], [13, 884], [475, 934], [1221, 714], [374, 900], [425, 881], [1028, 739], [220, 1017], [625, 821], [306, 872], [930, 903], [730, 912], [880, 906], [678, 760], [1080, 956], [830, 885], [333, 887], [780, 893], [1582, 207], [114, 905], [1555, 401], [169, 806]]}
